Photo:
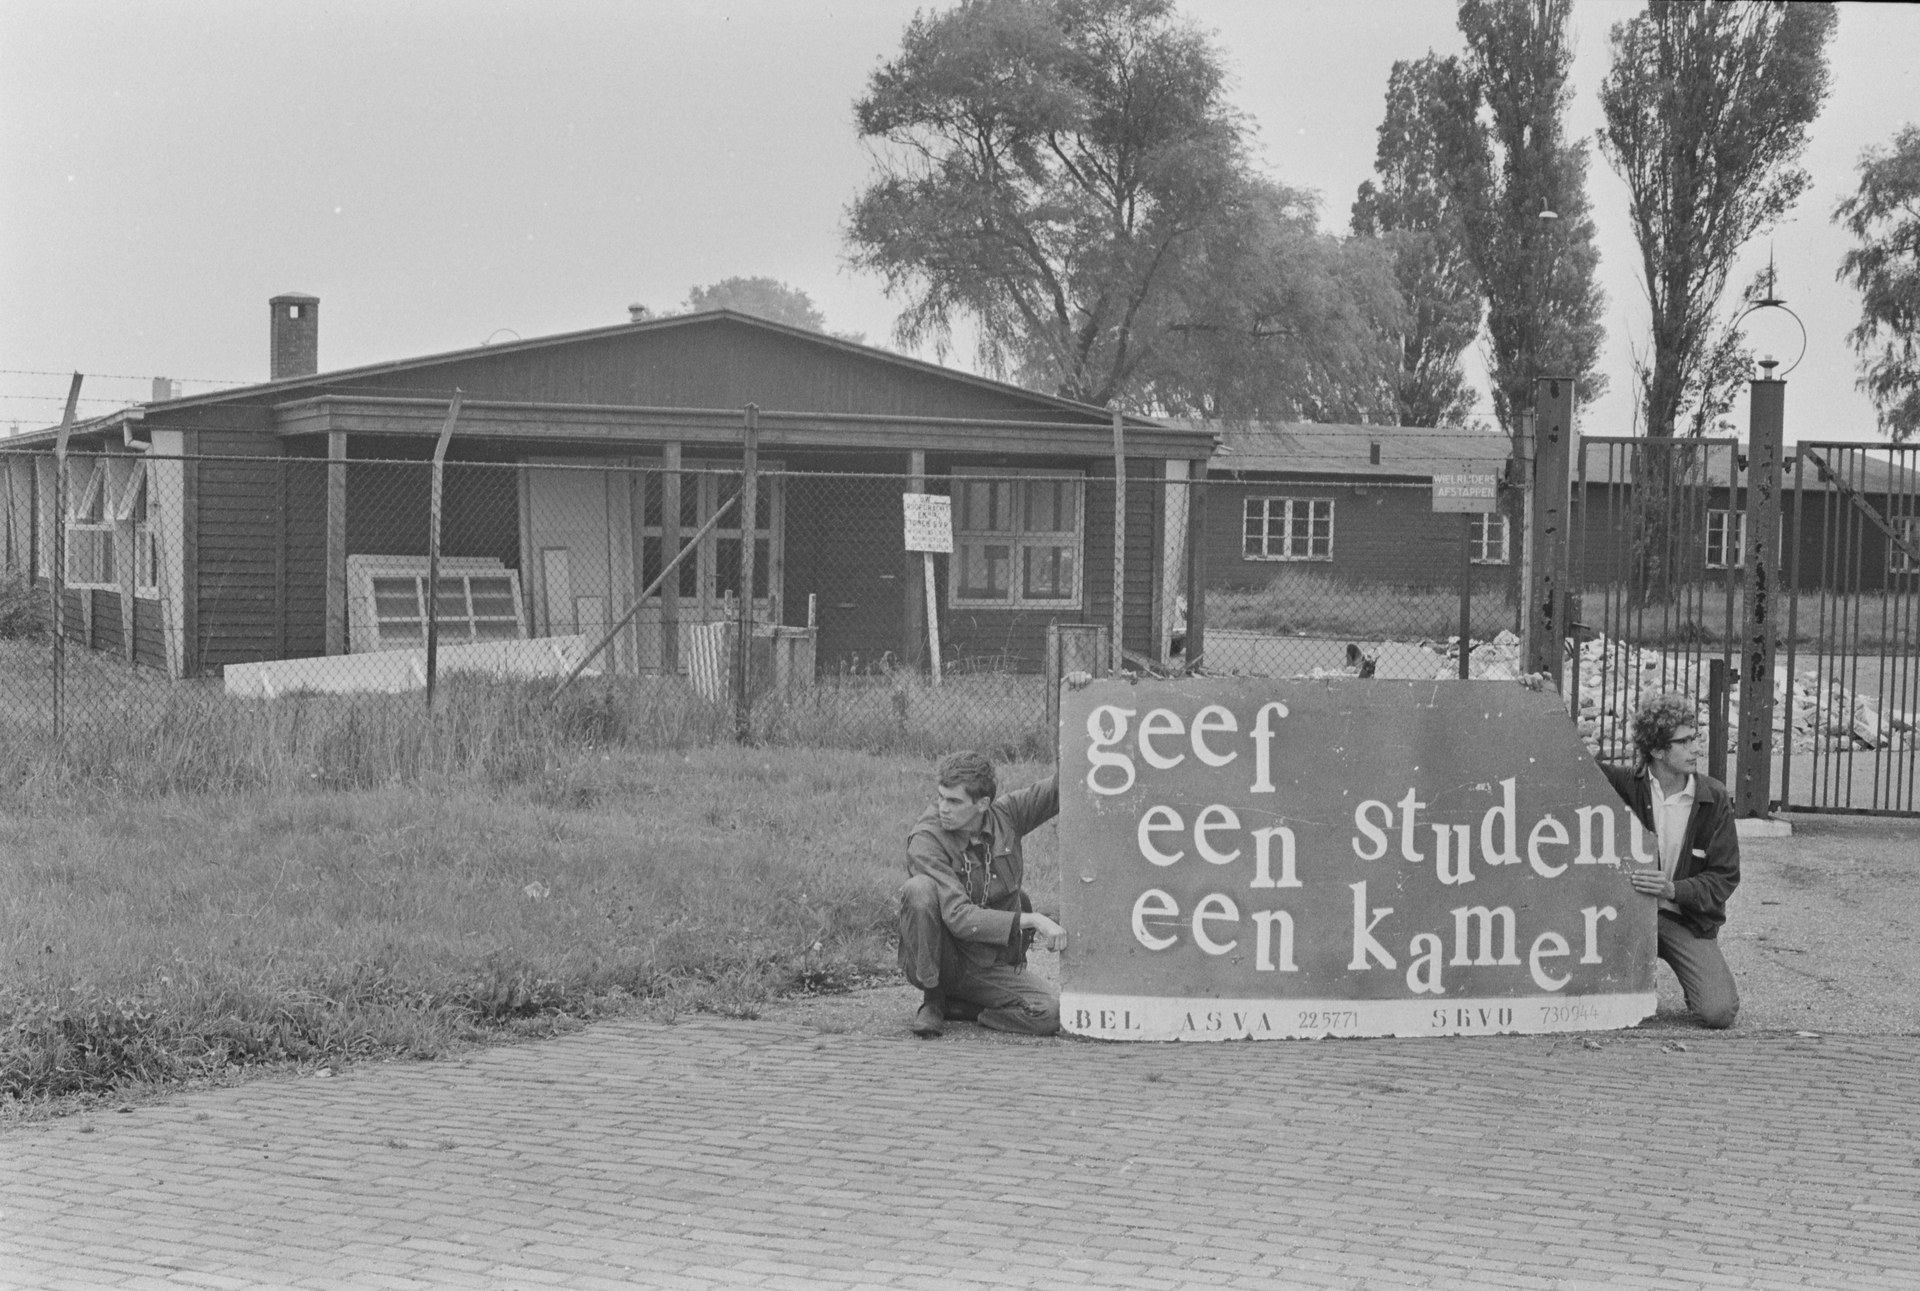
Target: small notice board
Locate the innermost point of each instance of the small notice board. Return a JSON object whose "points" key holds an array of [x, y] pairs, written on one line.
{"points": [[929, 522], [1468, 493]]}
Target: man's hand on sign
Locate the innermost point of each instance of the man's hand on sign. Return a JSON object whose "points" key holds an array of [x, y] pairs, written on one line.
{"points": [[1651, 883], [1078, 680], [1055, 936]]}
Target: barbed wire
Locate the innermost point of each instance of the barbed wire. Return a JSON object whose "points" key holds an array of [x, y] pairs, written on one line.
{"points": [[123, 376]]}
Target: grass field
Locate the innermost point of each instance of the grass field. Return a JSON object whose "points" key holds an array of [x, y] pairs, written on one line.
{"points": [[174, 937], [1299, 604]]}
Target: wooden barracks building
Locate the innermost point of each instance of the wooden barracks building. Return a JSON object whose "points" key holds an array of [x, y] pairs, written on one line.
{"points": [[257, 523]]}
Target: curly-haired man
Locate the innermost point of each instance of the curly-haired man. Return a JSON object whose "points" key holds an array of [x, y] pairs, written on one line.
{"points": [[1690, 815], [965, 924]]}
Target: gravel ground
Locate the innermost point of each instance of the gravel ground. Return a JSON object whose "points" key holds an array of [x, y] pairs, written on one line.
{"points": [[1823, 936]]}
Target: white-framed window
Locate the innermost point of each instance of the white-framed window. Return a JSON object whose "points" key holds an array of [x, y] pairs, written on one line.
{"points": [[1899, 561], [1726, 539], [479, 600], [135, 514], [1288, 529], [90, 544], [709, 579], [1488, 537], [1016, 539]]}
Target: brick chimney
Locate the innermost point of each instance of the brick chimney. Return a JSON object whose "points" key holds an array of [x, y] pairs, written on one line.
{"points": [[295, 335]]}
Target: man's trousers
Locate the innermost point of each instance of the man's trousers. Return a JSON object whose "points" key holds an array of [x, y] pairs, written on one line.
{"points": [[1704, 976], [1009, 998]]}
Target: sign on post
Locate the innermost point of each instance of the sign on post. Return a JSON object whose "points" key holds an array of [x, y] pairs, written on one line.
{"points": [[929, 522], [929, 529], [1268, 859], [1468, 493]]}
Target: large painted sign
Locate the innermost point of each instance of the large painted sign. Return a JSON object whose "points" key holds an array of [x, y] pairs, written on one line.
{"points": [[1266, 859]]}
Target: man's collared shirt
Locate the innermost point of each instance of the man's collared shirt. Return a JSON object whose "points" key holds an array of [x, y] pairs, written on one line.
{"points": [[1670, 827]]}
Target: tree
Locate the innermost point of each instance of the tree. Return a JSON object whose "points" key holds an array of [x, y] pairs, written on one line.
{"points": [[1409, 207], [1068, 177], [1279, 321], [1521, 192], [1885, 216], [766, 298], [1707, 107]]}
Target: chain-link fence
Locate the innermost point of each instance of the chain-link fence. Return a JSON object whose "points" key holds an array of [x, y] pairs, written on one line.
{"points": [[246, 620]]}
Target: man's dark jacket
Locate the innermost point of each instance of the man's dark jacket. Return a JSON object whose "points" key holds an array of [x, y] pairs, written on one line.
{"points": [[1708, 869], [981, 903]]}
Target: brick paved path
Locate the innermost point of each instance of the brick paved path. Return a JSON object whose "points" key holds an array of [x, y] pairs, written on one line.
{"points": [[719, 1153]]}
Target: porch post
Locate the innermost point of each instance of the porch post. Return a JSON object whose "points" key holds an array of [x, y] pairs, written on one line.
{"points": [[1753, 768], [669, 548], [1196, 645], [749, 524], [336, 542]]}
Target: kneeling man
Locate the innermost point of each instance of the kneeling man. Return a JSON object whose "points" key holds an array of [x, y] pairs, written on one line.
{"points": [[1691, 818], [964, 922]]}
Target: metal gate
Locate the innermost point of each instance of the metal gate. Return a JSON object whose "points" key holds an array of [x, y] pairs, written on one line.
{"points": [[1654, 552], [1847, 734]]}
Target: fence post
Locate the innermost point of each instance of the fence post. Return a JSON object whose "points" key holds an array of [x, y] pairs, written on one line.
{"points": [[913, 634], [433, 548], [1196, 644], [1546, 600], [57, 575], [1717, 719], [1071, 647], [1119, 536], [749, 523], [1466, 592], [1752, 795]]}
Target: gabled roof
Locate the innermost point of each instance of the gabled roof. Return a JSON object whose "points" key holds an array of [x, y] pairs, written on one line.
{"points": [[1048, 407], [1339, 449]]}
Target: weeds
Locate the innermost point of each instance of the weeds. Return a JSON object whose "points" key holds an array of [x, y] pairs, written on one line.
{"points": [[24, 612], [144, 736]]}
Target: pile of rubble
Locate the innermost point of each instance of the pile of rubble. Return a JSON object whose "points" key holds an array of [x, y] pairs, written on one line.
{"points": [[1819, 711]]}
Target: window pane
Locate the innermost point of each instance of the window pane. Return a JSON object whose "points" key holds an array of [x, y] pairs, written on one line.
{"points": [[689, 573], [652, 498], [450, 599], [1049, 506], [689, 501], [726, 566], [396, 598], [90, 556], [763, 501], [492, 598], [398, 616], [1048, 574], [1256, 527], [983, 570], [762, 566], [986, 506], [650, 561]]}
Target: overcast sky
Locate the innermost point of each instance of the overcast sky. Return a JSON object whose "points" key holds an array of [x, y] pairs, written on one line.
{"points": [[438, 172]]}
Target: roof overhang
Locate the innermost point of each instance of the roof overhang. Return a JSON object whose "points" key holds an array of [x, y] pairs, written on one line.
{"points": [[557, 423]]}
